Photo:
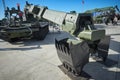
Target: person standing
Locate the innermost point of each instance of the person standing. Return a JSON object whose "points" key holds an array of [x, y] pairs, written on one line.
{"points": [[20, 15], [115, 20]]}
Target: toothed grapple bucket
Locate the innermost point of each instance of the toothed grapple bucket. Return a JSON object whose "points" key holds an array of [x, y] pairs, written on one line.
{"points": [[73, 54], [103, 47]]}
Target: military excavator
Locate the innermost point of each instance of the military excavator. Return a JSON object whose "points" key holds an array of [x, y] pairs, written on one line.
{"points": [[74, 53]]}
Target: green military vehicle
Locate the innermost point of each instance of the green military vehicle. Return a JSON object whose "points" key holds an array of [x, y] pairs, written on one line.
{"points": [[19, 25], [74, 53]]}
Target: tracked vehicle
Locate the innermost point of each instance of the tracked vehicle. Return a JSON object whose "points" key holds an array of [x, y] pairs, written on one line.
{"points": [[19, 25]]}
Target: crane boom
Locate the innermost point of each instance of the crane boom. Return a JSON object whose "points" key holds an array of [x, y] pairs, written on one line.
{"points": [[73, 23], [55, 16]]}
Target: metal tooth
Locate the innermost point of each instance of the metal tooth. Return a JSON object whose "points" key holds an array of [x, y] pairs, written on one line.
{"points": [[67, 48], [63, 48], [64, 64], [68, 51], [75, 73], [70, 69], [59, 47]]}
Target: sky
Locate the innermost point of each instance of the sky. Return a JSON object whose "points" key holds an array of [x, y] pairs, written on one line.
{"points": [[62, 5]]}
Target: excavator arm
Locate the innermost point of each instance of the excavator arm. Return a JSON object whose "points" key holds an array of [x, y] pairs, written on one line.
{"points": [[74, 23]]}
